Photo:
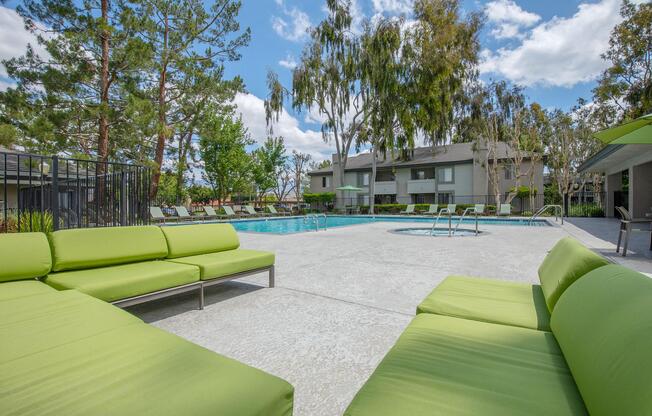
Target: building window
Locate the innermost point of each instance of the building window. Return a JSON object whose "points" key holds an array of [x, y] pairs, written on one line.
{"points": [[446, 175], [419, 198], [385, 199], [325, 182], [363, 179], [509, 172], [363, 200], [423, 173], [445, 198]]}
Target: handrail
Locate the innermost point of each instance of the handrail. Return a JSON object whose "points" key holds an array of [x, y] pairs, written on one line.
{"points": [[557, 208], [462, 219], [315, 220], [434, 225]]}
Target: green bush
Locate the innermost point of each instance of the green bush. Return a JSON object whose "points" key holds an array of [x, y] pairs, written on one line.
{"points": [[323, 198], [522, 192], [36, 221], [585, 210]]}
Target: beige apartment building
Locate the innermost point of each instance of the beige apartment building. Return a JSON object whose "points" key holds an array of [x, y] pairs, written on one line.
{"points": [[454, 173]]}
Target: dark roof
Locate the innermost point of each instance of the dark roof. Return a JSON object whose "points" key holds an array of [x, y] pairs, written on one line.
{"points": [[451, 153]]}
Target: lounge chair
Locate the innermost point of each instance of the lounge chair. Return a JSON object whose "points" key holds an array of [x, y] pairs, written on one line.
{"points": [[157, 215], [504, 209], [452, 208], [184, 215], [252, 212], [626, 221], [478, 209], [229, 212], [408, 210], [210, 213], [274, 212], [433, 209]]}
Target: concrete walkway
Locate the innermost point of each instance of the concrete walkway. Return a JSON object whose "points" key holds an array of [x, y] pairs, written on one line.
{"points": [[343, 296]]}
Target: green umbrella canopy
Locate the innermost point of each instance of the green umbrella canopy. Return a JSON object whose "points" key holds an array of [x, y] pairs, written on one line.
{"points": [[638, 131], [348, 188]]}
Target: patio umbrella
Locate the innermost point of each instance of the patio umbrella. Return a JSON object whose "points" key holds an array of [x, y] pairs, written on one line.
{"points": [[348, 188], [638, 131]]}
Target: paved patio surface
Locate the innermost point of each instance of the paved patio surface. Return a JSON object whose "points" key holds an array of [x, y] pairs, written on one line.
{"points": [[344, 295]]}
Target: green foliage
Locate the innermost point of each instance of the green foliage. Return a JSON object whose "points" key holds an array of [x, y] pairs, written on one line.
{"points": [[168, 191], [522, 191], [200, 194], [585, 210], [551, 196], [227, 166], [268, 161], [321, 198], [36, 221]]}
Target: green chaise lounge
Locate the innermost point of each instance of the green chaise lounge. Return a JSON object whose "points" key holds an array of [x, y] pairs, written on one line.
{"points": [[122, 265], [514, 303], [67, 353], [596, 359], [214, 248]]}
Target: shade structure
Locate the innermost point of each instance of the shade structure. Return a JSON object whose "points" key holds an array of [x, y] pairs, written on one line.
{"points": [[638, 131]]}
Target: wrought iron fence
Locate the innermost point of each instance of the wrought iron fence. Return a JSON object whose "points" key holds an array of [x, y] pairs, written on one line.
{"points": [[45, 193]]}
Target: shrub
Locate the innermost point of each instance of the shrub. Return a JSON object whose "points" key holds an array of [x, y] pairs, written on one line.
{"points": [[36, 221], [323, 198]]}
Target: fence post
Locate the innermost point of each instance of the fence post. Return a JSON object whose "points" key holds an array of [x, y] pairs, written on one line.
{"points": [[123, 198], [54, 197]]}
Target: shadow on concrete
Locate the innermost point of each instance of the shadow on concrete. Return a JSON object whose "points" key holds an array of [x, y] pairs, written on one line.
{"points": [[165, 308]]}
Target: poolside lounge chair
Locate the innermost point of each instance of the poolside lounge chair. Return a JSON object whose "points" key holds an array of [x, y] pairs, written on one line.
{"points": [[230, 213], [157, 215], [452, 208], [504, 209], [433, 209], [273, 211], [478, 209], [184, 215], [408, 210], [252, 211], [210, 213]]}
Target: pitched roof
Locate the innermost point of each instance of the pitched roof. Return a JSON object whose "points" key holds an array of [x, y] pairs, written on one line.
{"points": [[451, 153]]}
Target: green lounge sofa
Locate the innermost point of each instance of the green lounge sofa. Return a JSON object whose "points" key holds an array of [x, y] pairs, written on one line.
{"points": [[595, 360], [514, 303], [67, 353], [214, 249], [121, 265]]}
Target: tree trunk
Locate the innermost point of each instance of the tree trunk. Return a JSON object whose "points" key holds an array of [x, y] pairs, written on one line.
{"points": [[184, 144], [162, 119], [103, 139], [372, 181]]}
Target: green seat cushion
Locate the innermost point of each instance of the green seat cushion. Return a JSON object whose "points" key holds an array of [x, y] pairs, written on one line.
{"points": [[98, 247], [225, 263], [604, 326], [22, 288], [138, 370], [443, 365], [34, 324], [126, 280], [489, 300], [24, 256], [565, 263], [189, 240]]}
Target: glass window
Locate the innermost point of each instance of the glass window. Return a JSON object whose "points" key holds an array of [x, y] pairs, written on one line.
{"points": [[365, 179], [445, 198], [419, 198], [445, 175], [509, 172], [325, 182]]}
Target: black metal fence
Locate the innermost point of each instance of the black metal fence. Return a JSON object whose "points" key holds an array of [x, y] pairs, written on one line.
{"points": [[45, 193]]}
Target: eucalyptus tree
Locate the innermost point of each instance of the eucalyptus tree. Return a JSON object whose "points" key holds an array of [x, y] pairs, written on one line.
{"points": [[269, 167], [299, 165], [327, 81], [189, 42]]}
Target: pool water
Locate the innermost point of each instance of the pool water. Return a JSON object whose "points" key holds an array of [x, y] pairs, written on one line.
{"points": [[304, 224]]}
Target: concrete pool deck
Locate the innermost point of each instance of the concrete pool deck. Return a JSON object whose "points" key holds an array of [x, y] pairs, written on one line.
{"points": [[344, 295]]}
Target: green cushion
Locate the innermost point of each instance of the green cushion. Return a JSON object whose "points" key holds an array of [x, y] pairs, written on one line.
{"points": [[22, 288], [489, 300], [37, 323], [98, 247], [24, 256], [126, 280], [567, 261], [224, 263], [449, 366], [138, 370], [604, 326], [189, 240]]}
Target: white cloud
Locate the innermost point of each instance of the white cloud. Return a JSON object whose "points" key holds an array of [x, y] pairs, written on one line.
{"points": [[508, 18], [307, 141], [392, 6], [288, 62], [14, 39], [559, 52], [294, 24]]}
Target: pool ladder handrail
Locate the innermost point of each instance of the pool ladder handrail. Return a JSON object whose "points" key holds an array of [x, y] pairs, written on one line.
{"points": [[559, 212], [466, 211], [434, 225], [315, 220]]}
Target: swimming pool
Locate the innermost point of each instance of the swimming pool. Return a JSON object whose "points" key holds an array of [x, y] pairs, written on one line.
{"points": [[304, 224]]}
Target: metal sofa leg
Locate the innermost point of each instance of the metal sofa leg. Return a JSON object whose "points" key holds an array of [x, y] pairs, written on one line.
{"points": [[620, 237], [201, 296], [628, 230], [271, 276]]}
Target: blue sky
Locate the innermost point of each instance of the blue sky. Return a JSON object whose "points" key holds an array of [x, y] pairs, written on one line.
{"points": [[550, 47]]}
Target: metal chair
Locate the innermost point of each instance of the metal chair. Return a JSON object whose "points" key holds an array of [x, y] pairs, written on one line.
{"points": [[626, 222]]}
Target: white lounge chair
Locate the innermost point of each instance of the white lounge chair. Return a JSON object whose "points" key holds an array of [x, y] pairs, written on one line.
{"points": [[433, 209], [272, 210], [252, 212], [157, 215], [229, 212], [504, 210], [408, 210], [183, 214], [210, 213]]}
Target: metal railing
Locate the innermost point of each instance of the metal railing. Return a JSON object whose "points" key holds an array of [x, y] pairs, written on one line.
{"points": [[559, 212], [46, 193]]}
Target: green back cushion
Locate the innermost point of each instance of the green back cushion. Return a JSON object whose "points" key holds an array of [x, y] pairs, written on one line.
{"points": [[567, 261], [189, 240], [24, 256], [99, 247], [603, 324]]}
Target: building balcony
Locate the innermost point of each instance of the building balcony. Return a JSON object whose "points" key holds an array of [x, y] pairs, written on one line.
{"points": [[385, 188], [422, 186]]}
